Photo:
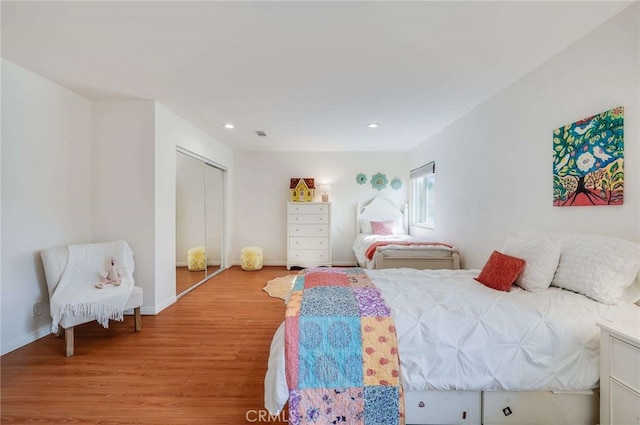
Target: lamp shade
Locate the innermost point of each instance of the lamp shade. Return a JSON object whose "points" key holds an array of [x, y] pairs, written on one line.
{"points": [[324, 190]]}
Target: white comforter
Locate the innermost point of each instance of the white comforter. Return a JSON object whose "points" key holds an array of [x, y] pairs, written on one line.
{"points": [[456, 334]]}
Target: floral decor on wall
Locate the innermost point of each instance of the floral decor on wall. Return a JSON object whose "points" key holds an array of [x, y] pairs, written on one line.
{"points": [[588, 159], [396, 183], [361, 178], [378, 181]]}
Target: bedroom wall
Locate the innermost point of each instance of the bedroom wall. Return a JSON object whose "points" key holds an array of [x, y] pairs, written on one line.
{"points": [[261, 190], [172, 130], [77, 171], [46, 192], [494, 164], [123, 187], [141, 138]]}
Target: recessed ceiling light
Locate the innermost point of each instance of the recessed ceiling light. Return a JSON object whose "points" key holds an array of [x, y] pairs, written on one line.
{"points": [[229, 125], [373, 125]]}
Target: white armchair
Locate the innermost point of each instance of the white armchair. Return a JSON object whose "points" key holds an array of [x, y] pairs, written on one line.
{"points": [[54, 261]]}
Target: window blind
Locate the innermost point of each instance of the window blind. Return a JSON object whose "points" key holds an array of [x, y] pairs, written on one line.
{"points": [[426, 169]]}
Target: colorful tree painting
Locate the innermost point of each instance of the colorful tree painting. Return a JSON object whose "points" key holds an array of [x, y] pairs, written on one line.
{"points": [[588, 158]]}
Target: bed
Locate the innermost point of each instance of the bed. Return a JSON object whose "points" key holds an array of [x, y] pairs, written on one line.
{"points": [[470, 354], [382, 241]]}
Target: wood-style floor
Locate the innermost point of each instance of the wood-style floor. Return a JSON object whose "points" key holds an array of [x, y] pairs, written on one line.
{"points": [[200, 361], [185, 278]]}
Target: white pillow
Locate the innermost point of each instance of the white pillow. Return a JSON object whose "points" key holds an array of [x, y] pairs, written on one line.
{"points": [[599, 267], [398, 227], [541, 253]]}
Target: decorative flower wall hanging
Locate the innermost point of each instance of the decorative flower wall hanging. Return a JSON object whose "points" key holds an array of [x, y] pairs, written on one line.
{"points": [[361, 178], [396, 184], [379, 181]]}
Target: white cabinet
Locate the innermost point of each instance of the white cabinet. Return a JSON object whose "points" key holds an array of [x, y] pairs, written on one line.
{"points": [[620, 373], [309, 234]]}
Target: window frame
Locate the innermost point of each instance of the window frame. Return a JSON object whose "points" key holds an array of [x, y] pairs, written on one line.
{"points": [[425, 176]]}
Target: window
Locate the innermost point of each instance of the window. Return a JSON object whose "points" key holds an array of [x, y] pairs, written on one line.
{"points": [[423, 196]]}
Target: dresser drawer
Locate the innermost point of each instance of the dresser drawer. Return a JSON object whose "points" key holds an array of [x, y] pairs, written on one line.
{"points": [[625, 405], [308, 243], [308, 208], [310, 255], [308, 229], [625, 363], [308, 218]]}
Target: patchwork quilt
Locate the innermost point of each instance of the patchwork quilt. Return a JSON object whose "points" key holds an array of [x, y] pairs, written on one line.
{"points": [[342, 364]]}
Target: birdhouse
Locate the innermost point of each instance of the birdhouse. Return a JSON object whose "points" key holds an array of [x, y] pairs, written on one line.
{"points": [[302, 190]]}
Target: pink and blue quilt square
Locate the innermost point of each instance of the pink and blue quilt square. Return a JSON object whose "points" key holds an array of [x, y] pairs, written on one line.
{"points": [[330, 352]]}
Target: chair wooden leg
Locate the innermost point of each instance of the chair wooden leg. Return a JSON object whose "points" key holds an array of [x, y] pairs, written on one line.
{"points": [[138, 319], [68, 336]]}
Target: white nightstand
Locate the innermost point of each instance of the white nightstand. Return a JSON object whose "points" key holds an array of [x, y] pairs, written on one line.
{"points": [[620, 372]]}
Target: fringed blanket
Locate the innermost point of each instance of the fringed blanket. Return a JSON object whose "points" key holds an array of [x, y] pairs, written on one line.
{"points": [[341, 351], [372, 248], [76, 293]]}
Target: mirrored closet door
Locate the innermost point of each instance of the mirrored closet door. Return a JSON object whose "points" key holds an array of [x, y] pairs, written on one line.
{"points": [[200, 201]]}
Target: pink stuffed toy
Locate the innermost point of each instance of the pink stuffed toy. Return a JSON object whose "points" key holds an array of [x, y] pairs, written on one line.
{"points": [[110, 276]]}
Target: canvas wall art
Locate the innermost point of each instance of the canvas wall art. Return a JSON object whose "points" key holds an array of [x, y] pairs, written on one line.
{"points": [[588, 159]]}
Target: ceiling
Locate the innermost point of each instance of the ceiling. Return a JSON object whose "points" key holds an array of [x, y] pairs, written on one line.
{"points": [[312, 75]]}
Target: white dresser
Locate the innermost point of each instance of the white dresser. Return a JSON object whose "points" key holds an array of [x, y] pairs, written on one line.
{"points": [[309, 234], [620, 372]]}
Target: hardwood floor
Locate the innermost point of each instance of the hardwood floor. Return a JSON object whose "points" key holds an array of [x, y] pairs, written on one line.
{"points": [[185, 279], [200, 361]]}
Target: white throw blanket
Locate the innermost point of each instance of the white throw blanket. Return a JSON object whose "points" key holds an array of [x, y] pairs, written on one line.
{"points": [[76, 294]]}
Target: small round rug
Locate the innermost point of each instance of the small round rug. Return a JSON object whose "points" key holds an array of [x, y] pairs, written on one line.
{"points": [[280, 286]]}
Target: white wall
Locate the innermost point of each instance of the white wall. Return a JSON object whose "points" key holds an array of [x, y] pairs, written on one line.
{"points": [[123, 184], [46, 192], [143, 136], [494, 165], [171, 131], [261, 189], [74, 171]]}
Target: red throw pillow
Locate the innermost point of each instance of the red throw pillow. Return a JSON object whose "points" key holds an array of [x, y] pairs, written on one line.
{"points": [[382, 227], [501, 271]]}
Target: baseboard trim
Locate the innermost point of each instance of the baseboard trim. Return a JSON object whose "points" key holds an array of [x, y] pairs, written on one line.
{"points": [[41, 332], [209, 263]]}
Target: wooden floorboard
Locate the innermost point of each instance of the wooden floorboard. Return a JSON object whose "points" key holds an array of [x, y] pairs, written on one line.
{"points": [[185, 278], [200, 361]]}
